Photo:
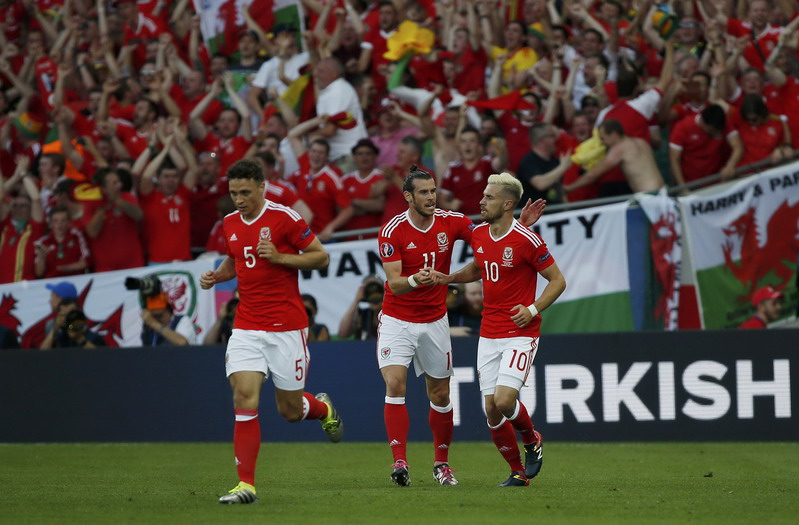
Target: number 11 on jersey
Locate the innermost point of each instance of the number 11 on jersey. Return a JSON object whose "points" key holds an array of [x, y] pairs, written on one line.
{"points": [[429, 259]]}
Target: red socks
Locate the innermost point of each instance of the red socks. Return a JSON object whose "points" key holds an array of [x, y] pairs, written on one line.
{"points": [[504, 438], [441, 424], [395, 415], [521, 421], [246, 443], [312, 408]]}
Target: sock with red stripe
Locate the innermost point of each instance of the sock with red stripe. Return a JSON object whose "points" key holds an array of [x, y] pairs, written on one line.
{"points": [[441, 424], [395, 415], [522, 423], [504, 438], [246, 443], [312, 408]]}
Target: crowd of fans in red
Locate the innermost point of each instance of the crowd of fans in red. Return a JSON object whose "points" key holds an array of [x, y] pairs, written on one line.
{"points": [[118, 122]]}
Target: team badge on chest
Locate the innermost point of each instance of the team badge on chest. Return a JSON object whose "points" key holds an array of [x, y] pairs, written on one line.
{"points": [[507, 257], [443, 242], [266, 234]]}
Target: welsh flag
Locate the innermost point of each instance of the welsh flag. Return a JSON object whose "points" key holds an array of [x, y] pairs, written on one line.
{"points": [[221, 20]]}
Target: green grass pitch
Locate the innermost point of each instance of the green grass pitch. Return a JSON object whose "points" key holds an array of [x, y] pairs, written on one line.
{"points": [[348, 483]]}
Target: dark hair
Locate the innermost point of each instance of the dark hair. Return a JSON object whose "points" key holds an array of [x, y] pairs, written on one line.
{"points": [[246, 169], [267, 158], [323, 142], [703, 74], [753, 105], [714, 116], [537, 132], [612, 126], [414, 143], [626, 82], [166, 165], [124, 177], [470, 129], [595, 32], [74, 315], [561, 29], [414, 174], [521, 25], [152, 107], [67, 301], [57, 209], [274, 136], [238, 115], [57, 159], [310, 298]]}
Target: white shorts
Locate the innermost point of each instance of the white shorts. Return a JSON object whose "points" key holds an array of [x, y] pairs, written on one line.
{"points": [[426, 344], [284, 354], [504, 362]]}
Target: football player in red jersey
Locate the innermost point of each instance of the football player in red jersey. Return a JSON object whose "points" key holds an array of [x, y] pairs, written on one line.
{"points": [[508, 257], [267, 244], [413, 323]]}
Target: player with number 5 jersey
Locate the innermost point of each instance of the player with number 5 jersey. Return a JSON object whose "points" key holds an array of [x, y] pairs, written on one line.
{"points": [[413, 327], [267, 245], [508, 257]]}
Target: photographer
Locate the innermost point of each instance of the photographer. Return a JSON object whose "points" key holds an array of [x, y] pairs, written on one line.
{"points": [[223, 326], [361, 318], [162, 327], [316, 331], [78, 334]]}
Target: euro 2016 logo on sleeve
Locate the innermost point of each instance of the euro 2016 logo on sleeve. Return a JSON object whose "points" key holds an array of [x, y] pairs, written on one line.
{"points": [[266, 233], [386, 249], [385, 352], [507, 257]]}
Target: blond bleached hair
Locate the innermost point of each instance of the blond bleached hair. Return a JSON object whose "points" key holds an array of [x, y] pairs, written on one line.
{"points": [[510, 185]]}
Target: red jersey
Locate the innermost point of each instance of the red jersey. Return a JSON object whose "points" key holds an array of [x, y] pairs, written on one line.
{"points": [[753, 322], [517, 137], [186, 105], [759, 48], [634, 115], [470, 70], [701, 154], [216, 240], [117, 246], [466, 184], [361, 188], [322, 192], [167, 225], [16, 250], [758, 141], [134, 141], [785, 101], [229, 150], [509, 266], [73, 249], [281, 193], [269, 293], [203, 210], [401, 240]]}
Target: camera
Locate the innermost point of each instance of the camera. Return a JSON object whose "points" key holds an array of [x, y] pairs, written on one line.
{"points": [[373, 293], [147, 285]]}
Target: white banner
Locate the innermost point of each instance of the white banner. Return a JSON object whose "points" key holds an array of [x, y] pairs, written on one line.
{"points": [[110, 308], [742, 238]]}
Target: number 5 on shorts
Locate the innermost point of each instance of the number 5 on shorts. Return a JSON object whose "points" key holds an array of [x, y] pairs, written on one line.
{"points": [[300, 370]]}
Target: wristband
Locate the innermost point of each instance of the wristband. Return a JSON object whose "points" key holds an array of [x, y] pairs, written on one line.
{"points": [[412, 281], [533, 309]]}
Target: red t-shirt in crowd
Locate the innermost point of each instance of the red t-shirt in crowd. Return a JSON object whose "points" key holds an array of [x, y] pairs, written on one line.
{"points": [[470, 70], [17, 250], [281, 193], [753, 322], [186, 105], [517, 138], [203, 210], [509, 266], [361, 188], [229, 150], [401, 240], [702, 154], [758, 141], [785, 101], [762, 45], [216, 239], [134, 141], [467, 184], [322, 192], [117, 245], [74, 249], [167, 225], [269, 293]]}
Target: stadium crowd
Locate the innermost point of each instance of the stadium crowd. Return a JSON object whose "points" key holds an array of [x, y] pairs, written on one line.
{"points": [[118, 120]]}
